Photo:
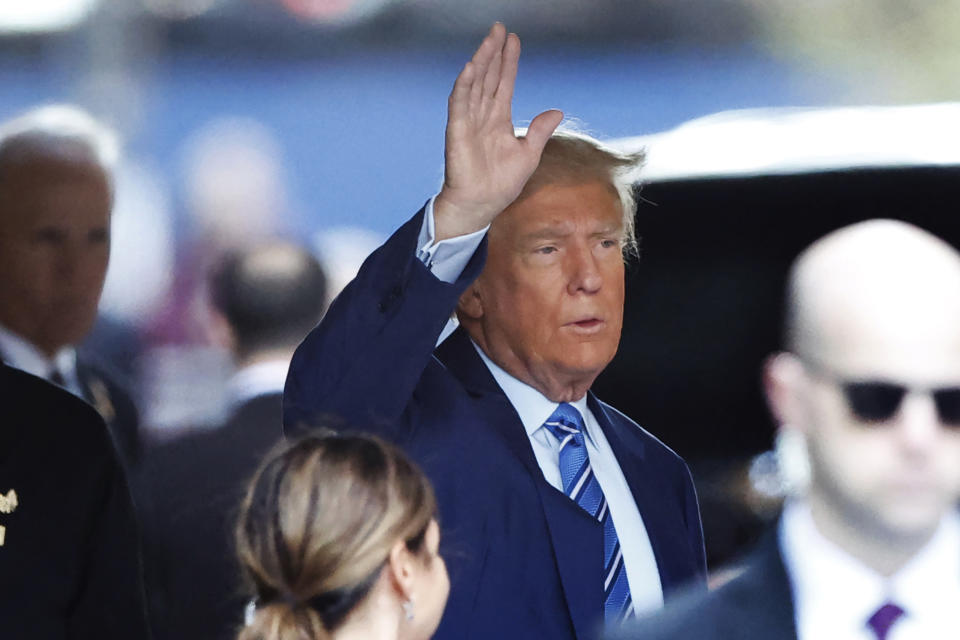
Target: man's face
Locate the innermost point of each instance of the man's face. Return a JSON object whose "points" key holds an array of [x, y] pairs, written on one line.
{"points": [[54, 247], [548, 307], [895, 478]]}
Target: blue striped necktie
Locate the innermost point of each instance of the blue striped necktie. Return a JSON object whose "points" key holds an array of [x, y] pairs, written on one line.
{"points": [[581, 485]]}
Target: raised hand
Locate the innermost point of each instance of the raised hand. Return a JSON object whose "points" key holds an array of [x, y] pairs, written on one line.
{"points": [[486, 164]]}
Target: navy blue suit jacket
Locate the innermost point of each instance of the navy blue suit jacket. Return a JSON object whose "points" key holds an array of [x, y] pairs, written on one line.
{"points": [[513, 543]]}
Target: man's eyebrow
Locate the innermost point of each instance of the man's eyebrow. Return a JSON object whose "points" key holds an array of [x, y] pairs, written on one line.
{"points": [[609, 229], [561, 230], [548, 233]]}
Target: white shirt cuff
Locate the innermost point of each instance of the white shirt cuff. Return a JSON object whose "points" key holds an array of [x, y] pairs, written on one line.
{"points": [[448, 258]]}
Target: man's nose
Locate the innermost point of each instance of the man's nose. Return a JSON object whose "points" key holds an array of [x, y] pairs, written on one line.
{"points": [[585, 274], [918, 423], [69, 257]]}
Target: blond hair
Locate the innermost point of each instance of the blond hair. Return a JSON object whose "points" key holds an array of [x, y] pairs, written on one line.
{"points": [[573, 157], [317, 525]]}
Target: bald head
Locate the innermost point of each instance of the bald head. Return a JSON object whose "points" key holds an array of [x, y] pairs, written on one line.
{"points": [[880, 284], [271, 296]]}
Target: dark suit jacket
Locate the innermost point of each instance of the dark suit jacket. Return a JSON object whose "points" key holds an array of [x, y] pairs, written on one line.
{"points": [[101, 387], [190, 491], [757, 604], [69, 563], [513, 543]]}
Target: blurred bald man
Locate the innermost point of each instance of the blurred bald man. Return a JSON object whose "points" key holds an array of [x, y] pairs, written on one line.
{"points": [[56, 197], [871, 550], [265, 299]]}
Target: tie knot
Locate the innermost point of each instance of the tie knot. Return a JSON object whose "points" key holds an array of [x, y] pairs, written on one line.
{"points": [[883, 619], [566, 423]]}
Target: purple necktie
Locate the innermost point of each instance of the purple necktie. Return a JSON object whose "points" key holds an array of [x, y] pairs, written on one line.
{"points": [[883, 619]]}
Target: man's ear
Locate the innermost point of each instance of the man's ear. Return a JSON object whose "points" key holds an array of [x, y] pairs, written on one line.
{"points": [[783, 376], [400, 567], [470, 305]]}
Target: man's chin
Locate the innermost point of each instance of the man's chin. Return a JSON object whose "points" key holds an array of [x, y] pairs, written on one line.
{"points": [[582, 370], [913, 522], [585, 359]]}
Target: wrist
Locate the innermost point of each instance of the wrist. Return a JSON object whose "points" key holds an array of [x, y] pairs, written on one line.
{"points": [[452, 218]]}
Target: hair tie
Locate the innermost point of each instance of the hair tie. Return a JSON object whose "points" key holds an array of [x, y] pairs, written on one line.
{"points": [[278, 596], [289, 599]]}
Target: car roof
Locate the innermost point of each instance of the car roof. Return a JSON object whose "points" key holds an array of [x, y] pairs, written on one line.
{"points": [[779, 141]]}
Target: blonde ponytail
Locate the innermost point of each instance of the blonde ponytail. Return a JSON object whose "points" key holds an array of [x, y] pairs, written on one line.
{"points": [[283, 621], [316, 528]]}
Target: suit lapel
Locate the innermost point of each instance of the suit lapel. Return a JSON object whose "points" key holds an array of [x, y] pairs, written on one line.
{"points": [[571, 529], [460, 357], [660, 514]]}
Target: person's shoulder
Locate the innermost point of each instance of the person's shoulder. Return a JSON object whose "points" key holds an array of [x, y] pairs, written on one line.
{"points": [[651, 443], [38, 400], [716, 614], [45, 413], [756, 602], [199, 455], [694, 615]]}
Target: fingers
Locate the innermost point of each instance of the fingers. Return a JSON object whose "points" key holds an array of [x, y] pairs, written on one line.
{"points": [[491, 78], [541, 129], [482, 60], [508, 68], [458, 105]]}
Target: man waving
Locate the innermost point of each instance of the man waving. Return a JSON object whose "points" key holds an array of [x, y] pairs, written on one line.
{"points": [[559, 513]]}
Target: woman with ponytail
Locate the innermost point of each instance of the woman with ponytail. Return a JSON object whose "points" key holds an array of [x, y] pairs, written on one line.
{"points": [[338, 536]]}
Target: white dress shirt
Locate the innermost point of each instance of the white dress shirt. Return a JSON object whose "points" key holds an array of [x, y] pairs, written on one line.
{"points": [[835, 594], [257, 379], [21, 354], [447, 259]]}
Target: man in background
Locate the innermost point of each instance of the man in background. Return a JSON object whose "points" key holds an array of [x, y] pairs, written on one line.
{"points": [[56, 196], [871, 381], [265, 300]]}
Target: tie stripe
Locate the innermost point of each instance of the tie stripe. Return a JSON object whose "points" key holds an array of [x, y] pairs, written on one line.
{"points": [[611, 570], [581, 480], [581, 485]]}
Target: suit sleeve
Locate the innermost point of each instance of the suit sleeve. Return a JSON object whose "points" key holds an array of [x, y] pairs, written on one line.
{"points": [[361, 364], [694, 524]]}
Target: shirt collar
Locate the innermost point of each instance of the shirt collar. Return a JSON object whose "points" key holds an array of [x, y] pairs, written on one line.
{"points": [[850, 595], [932, 576], [22, 354], [854, 591], [257, 379], [532, 406]]}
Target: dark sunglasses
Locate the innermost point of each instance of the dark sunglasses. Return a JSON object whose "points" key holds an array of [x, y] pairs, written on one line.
{"points": [[879, 400]]}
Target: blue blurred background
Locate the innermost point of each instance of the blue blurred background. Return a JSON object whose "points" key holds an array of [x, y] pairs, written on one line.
{"points": [[323, 119]]}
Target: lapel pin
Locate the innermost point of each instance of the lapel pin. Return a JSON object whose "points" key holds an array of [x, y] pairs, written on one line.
{"points": [[101, 399], [8, 503]]}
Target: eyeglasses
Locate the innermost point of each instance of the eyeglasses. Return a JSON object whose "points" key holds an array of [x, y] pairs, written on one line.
{"points": [[879, 400]]}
